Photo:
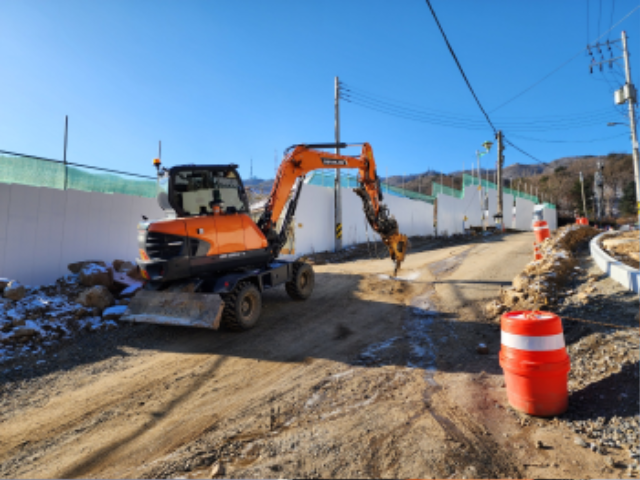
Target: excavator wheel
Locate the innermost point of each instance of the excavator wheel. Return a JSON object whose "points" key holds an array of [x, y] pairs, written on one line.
{"points": [[242, 307], [301, 284]]}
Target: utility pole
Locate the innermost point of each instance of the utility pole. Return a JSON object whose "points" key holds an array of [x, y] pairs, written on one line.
{"points": [[499, 213], [630, 94], [338, 198], [66, 131], [584, 202]]}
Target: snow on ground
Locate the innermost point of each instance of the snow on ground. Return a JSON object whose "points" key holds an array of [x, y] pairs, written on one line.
{"points": [[44, 317]]}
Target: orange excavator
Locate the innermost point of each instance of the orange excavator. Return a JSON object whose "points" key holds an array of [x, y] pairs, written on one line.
{"points": [[207, 263]]}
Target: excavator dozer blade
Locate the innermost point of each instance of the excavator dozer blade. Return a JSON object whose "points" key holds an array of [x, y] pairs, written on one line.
{"points": [[175, 308]]}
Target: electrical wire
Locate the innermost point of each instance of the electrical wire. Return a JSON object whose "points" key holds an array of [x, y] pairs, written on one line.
{"points": [[523, 152], [541, 140], [599, 13], [433, 13], [379, 103], [462, 123], [613, 7], [565, 63]]}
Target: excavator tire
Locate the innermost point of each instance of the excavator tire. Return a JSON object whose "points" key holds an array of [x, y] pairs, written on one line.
{"points": [[301, 284], [242, 307]]}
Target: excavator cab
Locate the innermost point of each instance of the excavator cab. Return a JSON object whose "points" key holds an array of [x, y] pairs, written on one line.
{"points": [[192, 191]]}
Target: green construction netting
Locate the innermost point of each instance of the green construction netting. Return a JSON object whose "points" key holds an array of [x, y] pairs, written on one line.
{"points": [[327, 179], [468, 180], [471, 180], [437, 189], [42, 173]]}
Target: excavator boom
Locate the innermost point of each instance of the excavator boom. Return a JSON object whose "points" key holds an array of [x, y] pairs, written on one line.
{"points": [[300, 160]]}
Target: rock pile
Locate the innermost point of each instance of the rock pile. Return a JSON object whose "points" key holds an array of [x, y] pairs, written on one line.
{"points": [[541, 282], [34, 319]]}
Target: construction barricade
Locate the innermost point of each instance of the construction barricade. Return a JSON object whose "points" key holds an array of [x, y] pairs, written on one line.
{"points": [[535, 362]]}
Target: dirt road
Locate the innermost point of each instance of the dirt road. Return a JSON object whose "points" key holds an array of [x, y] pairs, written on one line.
{"points": [[371, 377]]}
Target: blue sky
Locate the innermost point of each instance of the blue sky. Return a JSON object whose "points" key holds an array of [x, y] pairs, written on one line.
{"points": [[229, 81]]}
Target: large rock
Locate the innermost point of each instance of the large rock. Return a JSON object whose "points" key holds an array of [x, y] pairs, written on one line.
{"points": [[98, 296], [77, 266], [122, 266], [3, 283], [14, 291], [93, 274]]}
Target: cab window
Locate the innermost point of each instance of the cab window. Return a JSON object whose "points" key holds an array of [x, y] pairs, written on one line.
{"points": [[196, 191]]}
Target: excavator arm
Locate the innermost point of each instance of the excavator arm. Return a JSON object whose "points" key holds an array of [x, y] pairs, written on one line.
{"points": [[300, 160]]}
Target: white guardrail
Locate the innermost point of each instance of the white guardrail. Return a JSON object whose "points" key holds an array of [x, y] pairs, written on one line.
{"points": [[625, 275]]}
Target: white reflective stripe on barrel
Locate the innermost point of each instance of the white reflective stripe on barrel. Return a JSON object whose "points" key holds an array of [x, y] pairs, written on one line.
{"points": [[532, 344], [541, 228]]}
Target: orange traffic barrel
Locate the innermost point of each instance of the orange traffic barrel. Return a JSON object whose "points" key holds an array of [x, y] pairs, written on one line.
{"points": [[585, 221], [536, 252], [541, 230], [535, 362]]}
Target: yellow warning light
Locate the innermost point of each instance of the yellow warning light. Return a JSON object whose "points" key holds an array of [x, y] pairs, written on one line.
{"points": [[156, 161]]}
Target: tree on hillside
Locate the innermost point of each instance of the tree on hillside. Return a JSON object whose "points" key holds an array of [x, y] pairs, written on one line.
{"points": [[628, 201]]}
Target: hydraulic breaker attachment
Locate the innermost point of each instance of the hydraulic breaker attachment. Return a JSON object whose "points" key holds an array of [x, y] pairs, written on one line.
{"points": [[397, 243]]}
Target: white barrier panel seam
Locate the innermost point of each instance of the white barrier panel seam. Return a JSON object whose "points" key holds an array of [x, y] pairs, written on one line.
{"points": [[532, 344]]}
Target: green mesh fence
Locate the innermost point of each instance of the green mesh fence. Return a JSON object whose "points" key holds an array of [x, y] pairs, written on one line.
{"points": [[327, 179], [37, 172], [438, 188], [468, 180]]}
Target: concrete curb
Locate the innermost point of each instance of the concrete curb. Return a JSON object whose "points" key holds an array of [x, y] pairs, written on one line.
{"points": [[623, 274]]}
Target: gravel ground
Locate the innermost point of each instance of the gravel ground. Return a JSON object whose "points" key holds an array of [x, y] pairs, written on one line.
{"points": [[604, 408]]}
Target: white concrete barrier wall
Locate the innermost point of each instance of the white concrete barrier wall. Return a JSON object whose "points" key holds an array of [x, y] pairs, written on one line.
{"points": [[507, 210], [314, 219], [44, 229], [472, 206], [626, 276], [524, 214], [493, 205], [551, 217], [450, 215]]}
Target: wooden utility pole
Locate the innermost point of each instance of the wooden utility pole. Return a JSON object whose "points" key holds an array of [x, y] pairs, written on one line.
{"points": [[338, 197], [499, 213]]}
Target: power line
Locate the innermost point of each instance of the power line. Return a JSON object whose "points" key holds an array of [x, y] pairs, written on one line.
{"points": [[541, 140], [523, 152], [459, 66], [396, 108], [599, 13], [613, 7], [567, 62]]}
